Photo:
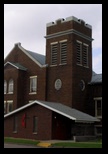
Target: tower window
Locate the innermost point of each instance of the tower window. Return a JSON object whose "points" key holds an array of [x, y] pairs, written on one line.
{"points": [[79, 52], [85, 55], [54, 49], [63, 52]]}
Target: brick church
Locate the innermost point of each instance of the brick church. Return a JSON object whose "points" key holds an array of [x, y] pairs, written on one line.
{"points": [[57, 96]]}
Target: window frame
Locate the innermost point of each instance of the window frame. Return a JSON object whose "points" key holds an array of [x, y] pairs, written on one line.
{"points": [[35, 124], [33, 92], [5, 86], [15, 124], [8, 103], [80, 54], [11, 86], [54, 57], [4, 107], [96, 113], [64, 56], [85, 59]]}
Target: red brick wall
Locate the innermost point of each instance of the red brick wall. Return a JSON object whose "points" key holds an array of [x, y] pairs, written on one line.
{"points": [[71, 74], [44, 124], [22, 78], [11, 72], [93, 92]]}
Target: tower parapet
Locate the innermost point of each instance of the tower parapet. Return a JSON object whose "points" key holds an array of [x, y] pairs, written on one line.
{"points": [[71, 18]]}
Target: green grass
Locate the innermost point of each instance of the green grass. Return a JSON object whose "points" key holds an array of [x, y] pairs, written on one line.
{"points": [[79, 144], [20, 141], [93, 144]]}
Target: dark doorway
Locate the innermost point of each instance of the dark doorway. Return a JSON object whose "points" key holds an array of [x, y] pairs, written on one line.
{"points": [[61, 127]]}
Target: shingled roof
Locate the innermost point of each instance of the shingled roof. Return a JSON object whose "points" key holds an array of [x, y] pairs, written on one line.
{"points": [[39, 57], [96, 78], [59, 108], [16, 65]]}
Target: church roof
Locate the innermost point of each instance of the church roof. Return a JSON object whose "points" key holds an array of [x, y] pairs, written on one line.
{"points": [[96, 78], [59, 108], [39, 57], [16, 65]]}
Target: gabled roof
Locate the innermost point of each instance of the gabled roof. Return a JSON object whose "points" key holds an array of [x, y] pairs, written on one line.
{"points": [[59, 108], [16, 65], [96, 78], [39, 59]]}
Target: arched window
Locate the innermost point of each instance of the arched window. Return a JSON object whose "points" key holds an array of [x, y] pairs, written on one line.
{"points": [[5, 86], [11, 86]]}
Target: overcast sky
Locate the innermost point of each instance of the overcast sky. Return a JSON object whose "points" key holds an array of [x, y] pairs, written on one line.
{"points": [[26, 23]]}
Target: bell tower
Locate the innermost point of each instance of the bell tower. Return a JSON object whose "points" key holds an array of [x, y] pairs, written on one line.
{"points": [[69, 59]]}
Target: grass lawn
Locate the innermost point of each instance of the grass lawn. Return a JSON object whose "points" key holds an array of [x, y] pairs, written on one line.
{"points": [[79, 144], [94, 144], [20, 141]]}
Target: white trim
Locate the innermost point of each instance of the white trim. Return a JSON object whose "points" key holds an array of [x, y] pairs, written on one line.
{"points": [[63, 41], [97, 98], [19, 109], [78, 41], [30, 56], [10, 64], [70, 31], [9, 101], [53, 43], [85, 44], [33, 76], [20, 47], [32, 93], [37, 102], [79, 64], [46, 106], [71, 18], [55, 110]]}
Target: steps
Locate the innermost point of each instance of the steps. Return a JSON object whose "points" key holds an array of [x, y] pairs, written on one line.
{"points": [[44, 144]]}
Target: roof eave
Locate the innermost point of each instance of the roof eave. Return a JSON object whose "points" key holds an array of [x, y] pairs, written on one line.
{"points": [[87, 121], [94, 83], [10, 64], [40, 65], [22, 49]]}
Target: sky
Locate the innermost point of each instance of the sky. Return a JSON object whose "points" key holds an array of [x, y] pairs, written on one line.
{"points": [[26, 23]]}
